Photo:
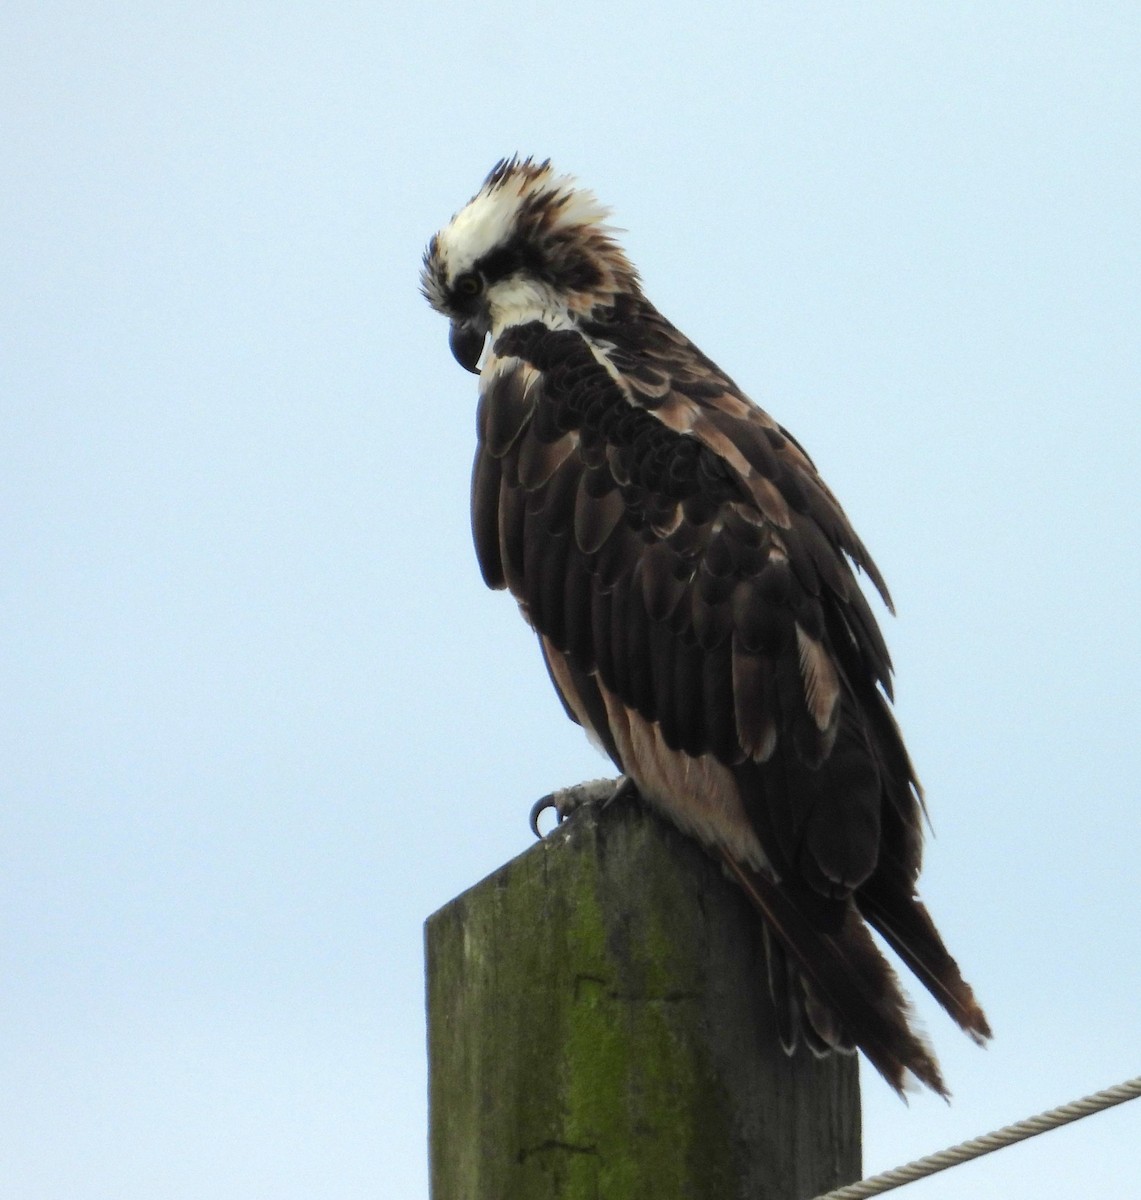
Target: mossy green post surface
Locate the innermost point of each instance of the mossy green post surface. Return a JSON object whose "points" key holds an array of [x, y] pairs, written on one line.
{"points": [[599, 1028]]}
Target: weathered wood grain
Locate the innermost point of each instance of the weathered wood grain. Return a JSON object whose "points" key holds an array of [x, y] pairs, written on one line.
{"points": [[599, 1028]]}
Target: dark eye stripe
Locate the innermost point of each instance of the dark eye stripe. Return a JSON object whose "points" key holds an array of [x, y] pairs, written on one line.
{"points": [[500, 263], [519, 254]]}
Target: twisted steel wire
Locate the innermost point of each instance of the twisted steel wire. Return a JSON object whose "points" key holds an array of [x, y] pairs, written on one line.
{"points": [[876, 1185]]}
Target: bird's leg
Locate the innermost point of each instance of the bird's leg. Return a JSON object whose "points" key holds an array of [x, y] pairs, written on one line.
{"points": [[566, 800]]}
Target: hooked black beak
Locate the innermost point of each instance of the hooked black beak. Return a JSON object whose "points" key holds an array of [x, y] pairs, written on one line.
{"points": [[466, 341]]}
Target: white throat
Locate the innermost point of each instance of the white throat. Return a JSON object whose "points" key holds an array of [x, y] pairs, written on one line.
{"points": [[520, 300]]}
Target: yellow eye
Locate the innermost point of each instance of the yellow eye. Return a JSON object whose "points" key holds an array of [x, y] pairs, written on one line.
{"points": [[468, 285]]}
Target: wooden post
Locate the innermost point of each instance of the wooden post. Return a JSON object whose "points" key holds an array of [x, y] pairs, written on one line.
{"points": [[599, 1028]]}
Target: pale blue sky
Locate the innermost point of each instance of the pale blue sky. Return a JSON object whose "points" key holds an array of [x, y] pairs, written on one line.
{"points": [[260, 716]]}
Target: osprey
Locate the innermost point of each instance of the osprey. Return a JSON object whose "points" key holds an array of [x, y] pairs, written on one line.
{"points": [[691, 580]]}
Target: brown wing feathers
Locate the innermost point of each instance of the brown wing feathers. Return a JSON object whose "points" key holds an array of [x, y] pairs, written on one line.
{"points": [[680, 556], [848, 976]]}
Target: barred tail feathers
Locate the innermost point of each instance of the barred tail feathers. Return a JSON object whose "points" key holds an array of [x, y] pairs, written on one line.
{"points": [[906, 926], [849, 980]]}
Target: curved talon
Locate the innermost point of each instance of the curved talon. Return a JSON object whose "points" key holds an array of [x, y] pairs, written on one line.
{"points": [[566, 801], [539, 807]]}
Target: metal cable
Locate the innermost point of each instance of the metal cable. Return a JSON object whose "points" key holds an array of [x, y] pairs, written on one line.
{"points": [[875, 1185]]}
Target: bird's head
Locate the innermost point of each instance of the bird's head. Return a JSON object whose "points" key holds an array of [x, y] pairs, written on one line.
{"points": [[528, 246]]}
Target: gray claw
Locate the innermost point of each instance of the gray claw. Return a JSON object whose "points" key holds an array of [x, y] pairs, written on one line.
{"points": [[566, 800], [538, 808]]}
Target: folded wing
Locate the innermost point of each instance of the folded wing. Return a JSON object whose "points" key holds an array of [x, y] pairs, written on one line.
{"points": [[692, 582]]}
